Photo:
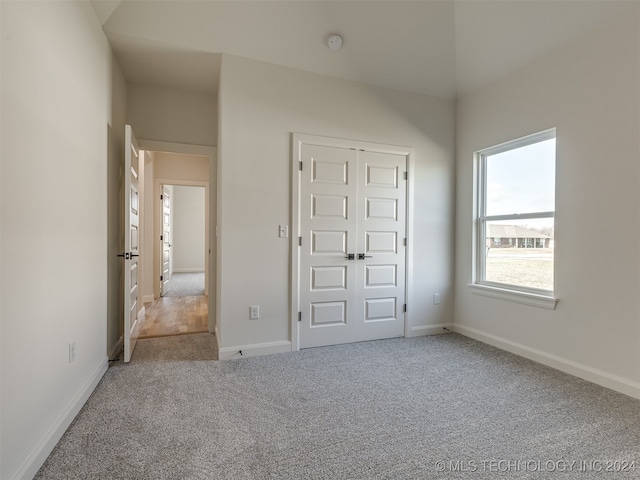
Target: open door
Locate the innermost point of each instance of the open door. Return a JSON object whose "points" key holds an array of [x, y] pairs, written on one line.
{"points": [[131, 239], [167, 270]]}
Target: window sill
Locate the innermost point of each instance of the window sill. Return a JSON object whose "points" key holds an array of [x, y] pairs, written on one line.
{"points": [[531, 299]]}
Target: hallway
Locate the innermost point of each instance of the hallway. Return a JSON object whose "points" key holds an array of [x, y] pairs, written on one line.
{"points": [[168, 316]]}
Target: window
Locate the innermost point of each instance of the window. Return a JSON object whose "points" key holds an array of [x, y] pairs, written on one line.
{"points": [[516, 203]]}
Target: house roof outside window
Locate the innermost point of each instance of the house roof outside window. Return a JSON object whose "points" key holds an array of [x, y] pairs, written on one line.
{"points": [[512, 231]]}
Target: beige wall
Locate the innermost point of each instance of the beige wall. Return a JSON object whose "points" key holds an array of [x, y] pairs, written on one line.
{"points": [[260, 106], [115, 209], [176, 166], [63, 94], [170, 115], [589, 92]]}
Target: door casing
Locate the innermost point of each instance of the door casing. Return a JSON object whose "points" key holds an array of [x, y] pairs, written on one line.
{"points": [[159, 184]]}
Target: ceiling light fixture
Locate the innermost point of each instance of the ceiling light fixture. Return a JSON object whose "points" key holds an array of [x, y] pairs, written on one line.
{"points": [[334, 43]]}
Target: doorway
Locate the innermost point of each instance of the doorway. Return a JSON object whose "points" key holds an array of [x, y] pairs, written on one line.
{"points": [[178, 243], [183, 241]]}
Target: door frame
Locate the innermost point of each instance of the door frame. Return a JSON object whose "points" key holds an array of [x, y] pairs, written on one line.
{"points": [[157, 225], [299, 139], [211, 190]]}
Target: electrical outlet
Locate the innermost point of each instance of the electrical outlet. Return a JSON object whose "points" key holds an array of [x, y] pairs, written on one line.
{"points": [[254, 312], [72, 351], [436, 299]]}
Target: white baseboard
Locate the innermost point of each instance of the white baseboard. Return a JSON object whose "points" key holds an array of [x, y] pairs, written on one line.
{"points": [[188, 270], [437, 329], [619, 384], [148, 298], [113, 353], [44, 448], [256, 350]]}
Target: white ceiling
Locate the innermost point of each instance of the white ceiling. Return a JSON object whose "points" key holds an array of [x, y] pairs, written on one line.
{"points": [[433, 47]]}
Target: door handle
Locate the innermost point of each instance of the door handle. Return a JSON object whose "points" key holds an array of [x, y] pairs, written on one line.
{"points": [[362, 256], [350, 256]]}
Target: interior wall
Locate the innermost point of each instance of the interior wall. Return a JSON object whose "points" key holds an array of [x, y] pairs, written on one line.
{"points": [[57, 153], [260, 105], [171, 115], [179, 166], [115, 208], [188, 229], [589, 92]]}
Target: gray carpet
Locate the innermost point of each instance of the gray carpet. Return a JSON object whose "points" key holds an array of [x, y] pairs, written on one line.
{"points": [[185, 285], [390, 409]]}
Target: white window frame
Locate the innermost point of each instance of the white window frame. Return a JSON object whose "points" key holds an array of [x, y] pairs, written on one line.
{"points": [[516, 293]]}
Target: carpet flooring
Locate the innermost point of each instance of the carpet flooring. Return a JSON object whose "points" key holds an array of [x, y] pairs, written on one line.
{"points": [[185, 285], [419, 408]]}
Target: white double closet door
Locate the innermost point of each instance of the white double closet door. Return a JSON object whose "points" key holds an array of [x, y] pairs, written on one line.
{"points": [[353, 243]]}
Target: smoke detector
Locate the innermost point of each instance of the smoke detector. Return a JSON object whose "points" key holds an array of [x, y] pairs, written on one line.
{"points": [[334, 43]]}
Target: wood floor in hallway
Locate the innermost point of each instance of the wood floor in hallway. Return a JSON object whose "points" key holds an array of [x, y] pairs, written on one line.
{"points": [[175, 316]]}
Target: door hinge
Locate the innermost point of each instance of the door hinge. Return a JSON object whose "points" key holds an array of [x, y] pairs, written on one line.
{"points": [[404, 308], [161, 197], [406, 175], [404, 241], [300, 165], [160, 277], [160, 237], [299, 241], [299, 316]]}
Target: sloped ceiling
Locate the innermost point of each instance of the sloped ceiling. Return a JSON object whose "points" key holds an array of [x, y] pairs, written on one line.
{"points": [[441, 48]]}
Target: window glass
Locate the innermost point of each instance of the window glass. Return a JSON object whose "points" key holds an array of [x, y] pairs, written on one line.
{"points": [[522, 180], [526, 260], [516, 209]]}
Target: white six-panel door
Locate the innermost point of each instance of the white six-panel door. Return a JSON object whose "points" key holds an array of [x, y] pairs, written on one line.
{"points": [[352, 245], [381, 236], [328, 227], [131, 244]]}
